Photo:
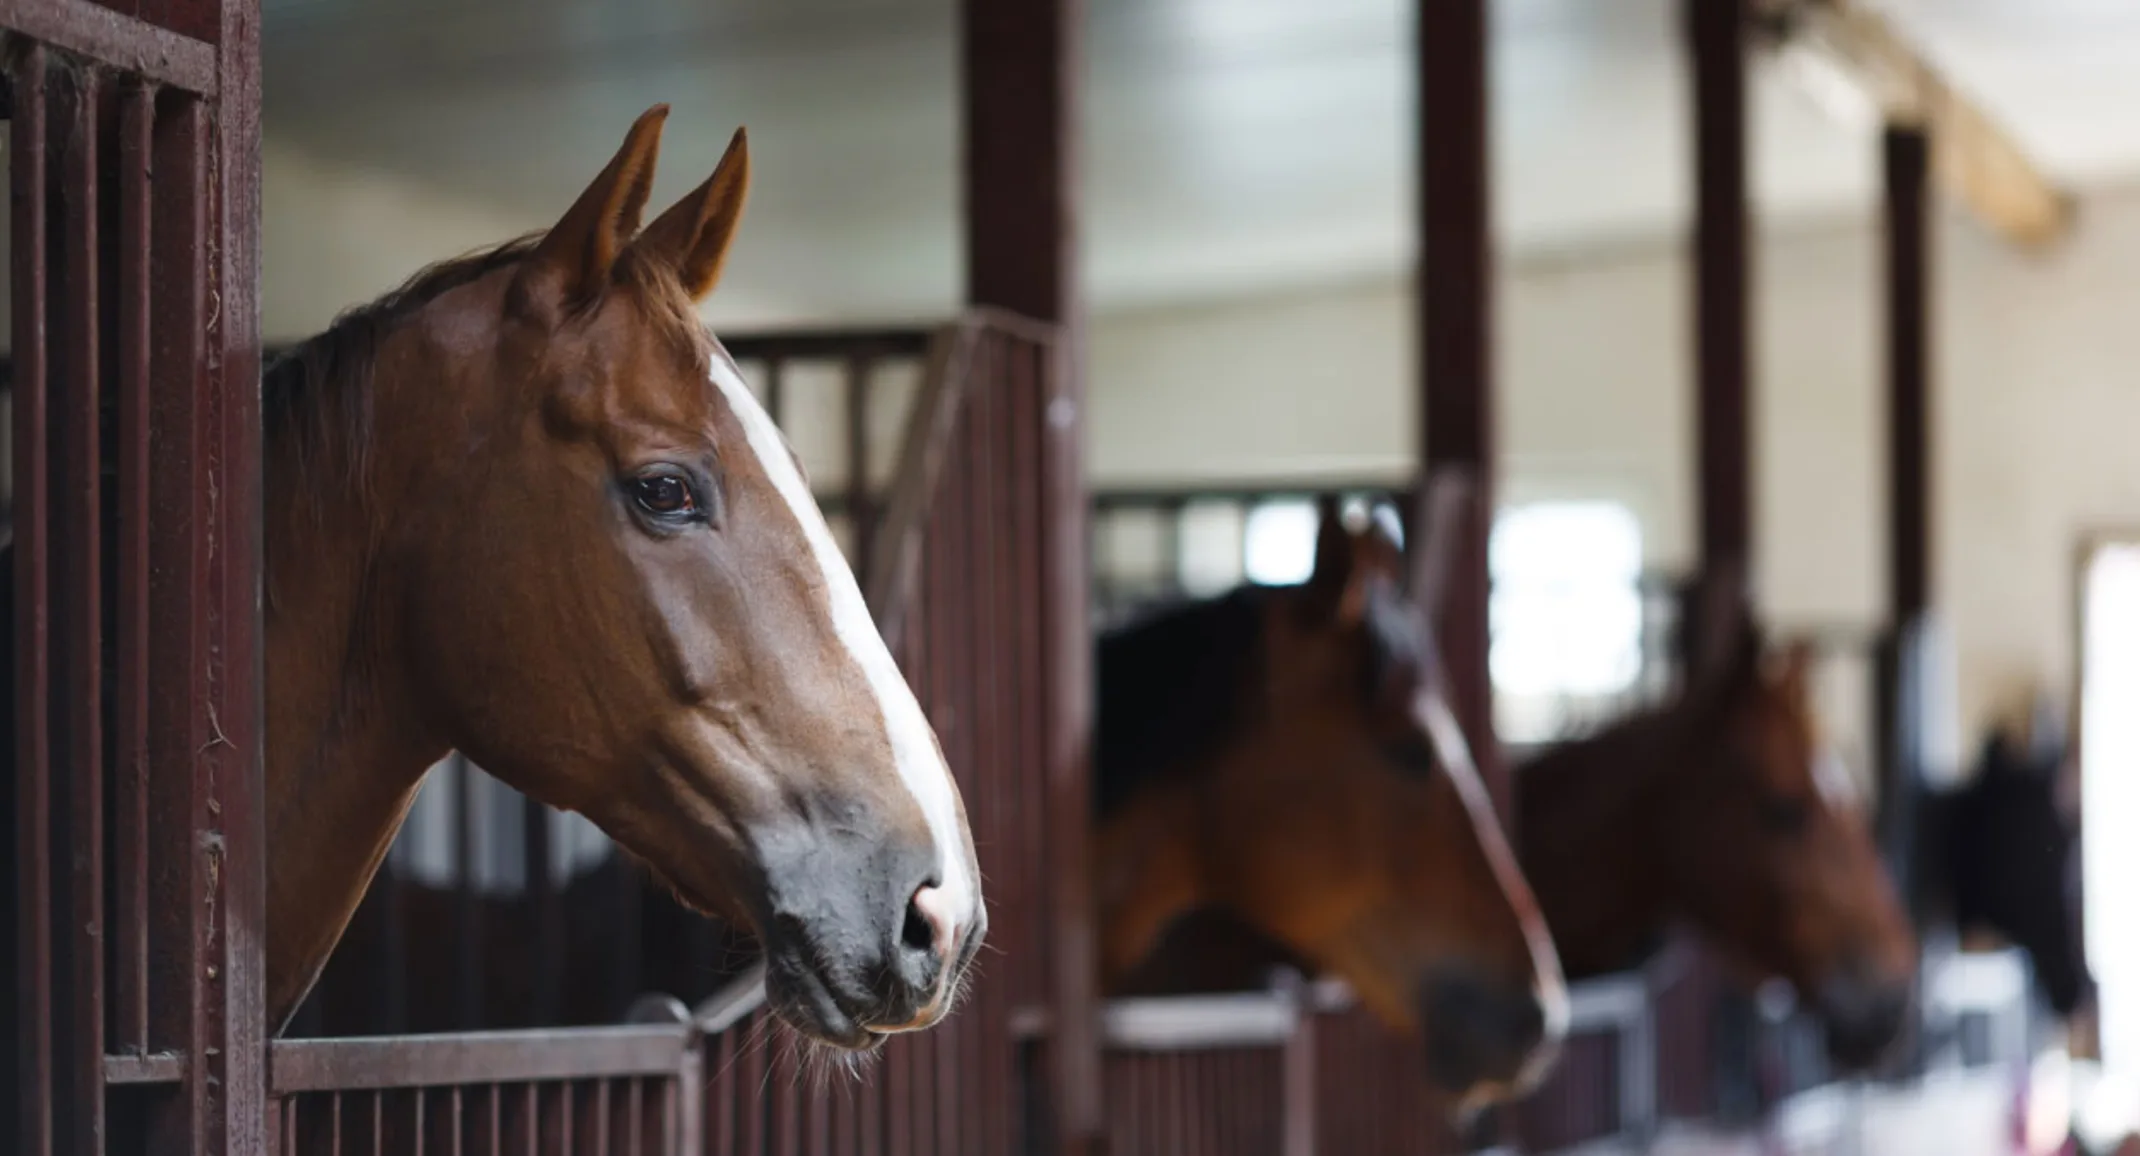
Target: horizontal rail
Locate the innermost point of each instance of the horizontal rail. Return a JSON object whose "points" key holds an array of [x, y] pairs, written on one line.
{"points": [[352, 1065], [114, 39], [1181, 1023], [154, 1068], [725, 1008], [825, 344], [1608, 1004]]}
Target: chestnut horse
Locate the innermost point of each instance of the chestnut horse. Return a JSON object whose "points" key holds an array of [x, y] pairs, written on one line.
{"points": [[1287, 754], [1720, 810], [526, 507], [1725, 811]]}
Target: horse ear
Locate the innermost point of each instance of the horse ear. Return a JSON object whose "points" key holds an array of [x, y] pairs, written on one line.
{"points": [[1794, 670], [575, 257], [693, 236], [1334, 562], [1447, 502], [1719, 624]]}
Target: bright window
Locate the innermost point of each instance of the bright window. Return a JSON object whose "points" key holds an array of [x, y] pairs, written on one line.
{"points": [[1566, 611], [2110, 795], [1279, 543]]}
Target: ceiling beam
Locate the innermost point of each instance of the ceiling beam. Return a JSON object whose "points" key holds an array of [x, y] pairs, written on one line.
{"points": [[1974, 159]]}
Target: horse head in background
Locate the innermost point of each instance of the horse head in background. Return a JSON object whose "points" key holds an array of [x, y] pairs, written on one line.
{"points": [[2000, 854], [1724, 810], [1720, 810], [1287, 754]]}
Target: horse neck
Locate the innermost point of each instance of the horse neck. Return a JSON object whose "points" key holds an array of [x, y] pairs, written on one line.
{"points": [[1171, 691], [1587, 845], [1146, 859], [346, 748]]}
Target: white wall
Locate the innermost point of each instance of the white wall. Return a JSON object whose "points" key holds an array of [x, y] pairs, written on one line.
{"points": [[2038, 397], [2038, 371]]}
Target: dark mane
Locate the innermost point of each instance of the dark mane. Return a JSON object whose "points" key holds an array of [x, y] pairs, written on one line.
{"points": [[318, 393], [1577, 774], [1173, 688]]}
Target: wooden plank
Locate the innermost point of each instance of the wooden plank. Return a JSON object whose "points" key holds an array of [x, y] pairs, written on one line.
{"points": [[383, 1062], [124, 42]]}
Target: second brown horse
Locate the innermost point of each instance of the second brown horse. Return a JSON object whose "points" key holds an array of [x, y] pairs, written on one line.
{"points": [[1719, 811]]}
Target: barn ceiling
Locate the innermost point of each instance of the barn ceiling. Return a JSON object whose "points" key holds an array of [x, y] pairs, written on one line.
{"points": [[1232, 145]]}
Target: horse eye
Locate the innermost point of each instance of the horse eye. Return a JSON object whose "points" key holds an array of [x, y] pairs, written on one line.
{"points": [[664, 495], [1413, 755], [1784, 816]]}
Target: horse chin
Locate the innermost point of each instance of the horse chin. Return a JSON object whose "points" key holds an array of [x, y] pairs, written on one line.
{"points": [[804, 1001]]}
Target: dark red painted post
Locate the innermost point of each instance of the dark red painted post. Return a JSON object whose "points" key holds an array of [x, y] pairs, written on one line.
{"points": [[1902, 675], [1454, 298], [239, 1029], [1021, 62], [1906, 155], [1722, 279]]}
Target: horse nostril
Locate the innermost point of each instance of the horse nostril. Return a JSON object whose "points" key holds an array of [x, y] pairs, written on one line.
{"points": [[929, 925], [916, 933]]}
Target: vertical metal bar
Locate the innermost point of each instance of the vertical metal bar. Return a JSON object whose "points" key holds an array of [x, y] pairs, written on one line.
{"points": [[77, 618], [549, 919], [378, 1123], [130, 810], [1722, 263], [497, 1119], [533, 1119], [968, 1082], [390, 988], [470, 925], [856, 411], [776, 399], [417, 1118], [601, 1117], [750, 1093], [33, 1082], [460, 1122], [334, 1121], [899, 1099], [1297, 1081]]}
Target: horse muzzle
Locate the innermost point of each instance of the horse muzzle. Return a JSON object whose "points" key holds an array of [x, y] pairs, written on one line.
{"points": [[1482, 1035], [1864, 1015], [862, 940]]}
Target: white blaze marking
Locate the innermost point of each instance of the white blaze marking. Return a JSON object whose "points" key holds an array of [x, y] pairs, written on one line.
{"points": [[1833, 780], [914, 750], [1455, 754]]}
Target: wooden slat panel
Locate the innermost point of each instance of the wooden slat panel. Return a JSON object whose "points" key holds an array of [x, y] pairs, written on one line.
{"points": [[77, 618], [34, 1087], [130, 807]]}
